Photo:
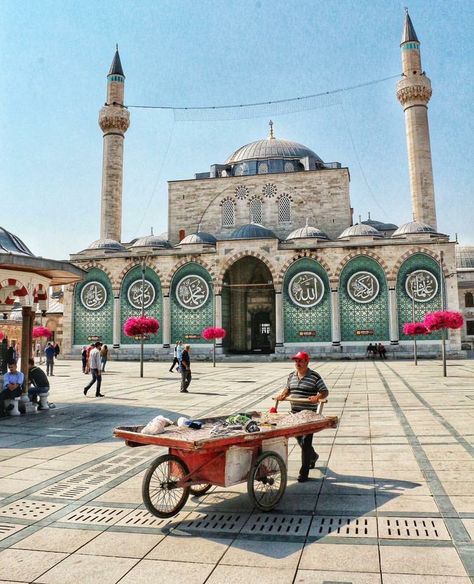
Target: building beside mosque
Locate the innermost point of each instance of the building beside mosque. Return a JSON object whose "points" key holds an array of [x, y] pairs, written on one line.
{"points": [[265, 246]]}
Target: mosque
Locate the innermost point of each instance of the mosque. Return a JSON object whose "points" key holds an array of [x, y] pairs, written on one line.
{"points": [[265, 246]]}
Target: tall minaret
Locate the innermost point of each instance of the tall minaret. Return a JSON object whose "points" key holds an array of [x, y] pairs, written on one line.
{"points": [[414, 92], [114, 120]]}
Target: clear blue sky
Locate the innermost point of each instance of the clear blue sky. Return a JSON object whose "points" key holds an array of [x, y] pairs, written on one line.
{"points": [[56, 55]]}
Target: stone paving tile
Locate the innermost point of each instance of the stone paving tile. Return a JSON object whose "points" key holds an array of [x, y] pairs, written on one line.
{"points": [[263, 554], [424, 579], [318, 577], [334, 557], [88, 570], [50, 539], [154, 571], [191, 549], [421, 560], [122, 544], [26, 565], [343, 504], [250, 575], [421, 504]]}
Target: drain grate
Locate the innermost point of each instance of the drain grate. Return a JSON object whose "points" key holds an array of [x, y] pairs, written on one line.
{"points": [[29, 509], [410, 528], [142, 518], [213, 522], [343, 526], [7, 529], [96, 515], [267, 524]]}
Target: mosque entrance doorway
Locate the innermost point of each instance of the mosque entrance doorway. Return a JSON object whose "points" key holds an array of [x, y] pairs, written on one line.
{"points": [[248, 307]]}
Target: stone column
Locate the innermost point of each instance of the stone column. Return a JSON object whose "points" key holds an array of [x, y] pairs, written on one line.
{"points": [[116, 329], [393, 323], [166, 321], [335, 318], [278, 319], [218, 316]]}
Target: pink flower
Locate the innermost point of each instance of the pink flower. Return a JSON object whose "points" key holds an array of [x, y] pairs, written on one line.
{"points": [[443, 319], [140, 325], [213, 332], [415, 328], [2, 335], [41, 331]]}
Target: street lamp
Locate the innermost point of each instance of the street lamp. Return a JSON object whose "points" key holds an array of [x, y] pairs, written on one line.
{"points": [[142, 314]]}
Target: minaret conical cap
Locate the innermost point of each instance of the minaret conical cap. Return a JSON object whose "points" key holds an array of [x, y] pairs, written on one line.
{"points": [[409, 33], [116, 67]]}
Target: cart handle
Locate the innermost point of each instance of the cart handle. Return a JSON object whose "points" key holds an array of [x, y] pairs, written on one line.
{"points": [[300, 400]]}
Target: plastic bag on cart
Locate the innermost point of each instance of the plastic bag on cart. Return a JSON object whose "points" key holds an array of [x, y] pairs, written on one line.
{"points": [[157, 425]]}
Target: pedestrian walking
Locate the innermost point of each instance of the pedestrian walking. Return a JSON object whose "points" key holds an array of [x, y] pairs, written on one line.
{"points": [[185, 367], [104, 355], [49, 353], [84, 359], [95, 368], [177, 352]]}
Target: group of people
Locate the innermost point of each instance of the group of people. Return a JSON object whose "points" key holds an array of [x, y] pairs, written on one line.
{"points": [[51, 352], [13, 382], [182, 359], [85, 356], [376, 349]]}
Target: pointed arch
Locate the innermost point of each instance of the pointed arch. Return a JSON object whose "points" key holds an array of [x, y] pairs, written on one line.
{"points": [[354, 254], [230, 261]]}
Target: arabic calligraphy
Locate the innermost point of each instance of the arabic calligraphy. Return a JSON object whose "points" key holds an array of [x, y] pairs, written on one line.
{"points": [[306, 289], [141, 294], [93, 296], [363, 287], [192, 292], [421, 286]]}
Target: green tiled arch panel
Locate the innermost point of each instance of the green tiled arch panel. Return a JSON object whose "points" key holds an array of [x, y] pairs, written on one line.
{"points": [[297, 318], [88, 323], [356, 316]]}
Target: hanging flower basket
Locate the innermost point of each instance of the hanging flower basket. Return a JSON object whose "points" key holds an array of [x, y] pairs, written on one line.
{"points": [[213, 332], [140, 325], [41, 332], [415, 328], [443, 319], [2, 336]]}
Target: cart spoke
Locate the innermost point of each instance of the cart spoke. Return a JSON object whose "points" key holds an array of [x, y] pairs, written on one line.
{"points": [[161, 493], [267, 480]]}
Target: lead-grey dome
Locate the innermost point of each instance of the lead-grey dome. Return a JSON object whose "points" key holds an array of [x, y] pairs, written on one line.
{"points": [[413, 227], [380, 225], [107, 244], [10, 243], [307, 231], [200, 237], [360, 230], [465, 257], [252, 231], [271, 148], [154, 241]]}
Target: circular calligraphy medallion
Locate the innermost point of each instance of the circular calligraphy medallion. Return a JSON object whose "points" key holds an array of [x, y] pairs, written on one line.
{"points": [[421, 286], [134, 294], [363, 287], [192, 292], [93, 296], [306, 289]]}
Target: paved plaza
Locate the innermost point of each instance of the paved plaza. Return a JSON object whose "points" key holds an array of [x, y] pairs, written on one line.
{"points": [[390, 502]]}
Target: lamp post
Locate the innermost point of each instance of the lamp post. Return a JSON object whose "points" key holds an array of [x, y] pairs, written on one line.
{"points": [[142, 314], [442, 299], [415, 350]]}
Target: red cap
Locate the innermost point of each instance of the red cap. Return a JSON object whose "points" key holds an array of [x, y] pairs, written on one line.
{"points": [[301, 355]]}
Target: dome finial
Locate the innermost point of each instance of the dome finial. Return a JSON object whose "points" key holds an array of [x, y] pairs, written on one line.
{"points": [[199, 227], [270, 133], [368, 215], [360, 218], [307, 221], [151, 230]]}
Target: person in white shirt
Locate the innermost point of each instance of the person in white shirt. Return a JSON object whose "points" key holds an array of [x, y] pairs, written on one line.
{"points": [[95, 367]]}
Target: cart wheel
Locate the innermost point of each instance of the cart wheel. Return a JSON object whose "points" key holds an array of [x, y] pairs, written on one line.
{"points": [[267, 480], [200, 489], [160, 492]]}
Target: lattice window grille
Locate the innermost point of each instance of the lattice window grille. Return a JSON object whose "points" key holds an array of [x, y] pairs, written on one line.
{"points": [[228, 214], [256, 211], [284, 210], [241, 192], [269, 190]]}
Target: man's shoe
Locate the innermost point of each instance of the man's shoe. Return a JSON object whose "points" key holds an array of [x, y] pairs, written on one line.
{"points": [[99, 395], [183, 391], [302, 478], [314, 459], [85, 390], [10, 407]]}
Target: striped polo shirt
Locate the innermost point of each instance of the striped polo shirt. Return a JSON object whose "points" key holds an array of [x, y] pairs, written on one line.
{"points": [[311, 384]]}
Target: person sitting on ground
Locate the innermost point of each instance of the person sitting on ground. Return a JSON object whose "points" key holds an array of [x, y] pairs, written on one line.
{"points": [[39, 382], [12, 383]]}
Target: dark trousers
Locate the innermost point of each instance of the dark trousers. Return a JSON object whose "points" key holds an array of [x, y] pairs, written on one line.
{"points": [[7, 394], [175, 362], [49, 366], [185, 379], [95, 378], [307, 453]]}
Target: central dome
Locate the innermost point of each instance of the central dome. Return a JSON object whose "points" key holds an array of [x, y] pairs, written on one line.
{"points": [[271, 148]]}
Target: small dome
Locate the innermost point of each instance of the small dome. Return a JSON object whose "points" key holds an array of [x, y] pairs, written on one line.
{"points": [[307, 231], [271, 148], [380, 225], [10, 243], [107, 244], [199, 237], [413, 227], [465, 257], [252, 231], [154, 241], [360, 230]]}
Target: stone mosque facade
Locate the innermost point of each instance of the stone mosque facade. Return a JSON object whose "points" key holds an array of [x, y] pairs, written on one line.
{"points": [[264, 245]]}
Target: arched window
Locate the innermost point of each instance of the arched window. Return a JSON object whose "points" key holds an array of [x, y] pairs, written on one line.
{"points": [[468, 300], [255, 211], [228, 214], [284, 209]]}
